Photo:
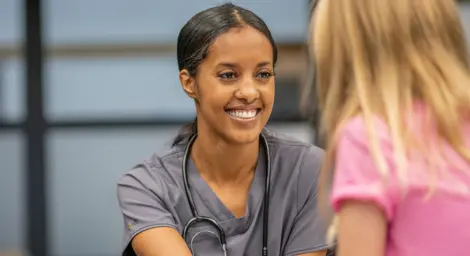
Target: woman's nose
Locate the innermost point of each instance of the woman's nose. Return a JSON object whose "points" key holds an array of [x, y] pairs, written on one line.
{"points": [[247, 92]]}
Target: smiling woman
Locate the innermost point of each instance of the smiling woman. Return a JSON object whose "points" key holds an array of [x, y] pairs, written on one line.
{"points": [[226, 67], [235, 81], [227, 186]]}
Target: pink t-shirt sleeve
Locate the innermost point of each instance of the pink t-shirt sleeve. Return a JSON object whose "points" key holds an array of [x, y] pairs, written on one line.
{"points": [[356, 176]]}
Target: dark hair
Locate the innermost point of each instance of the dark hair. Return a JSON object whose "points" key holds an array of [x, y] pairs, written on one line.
{"points": [[198, 34]]}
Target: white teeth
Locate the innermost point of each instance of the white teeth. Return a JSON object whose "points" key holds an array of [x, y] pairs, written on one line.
{"points": [[244, 114]]}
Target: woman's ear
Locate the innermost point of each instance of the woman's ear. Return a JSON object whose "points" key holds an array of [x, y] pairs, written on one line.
{"points": [[188, 83]]}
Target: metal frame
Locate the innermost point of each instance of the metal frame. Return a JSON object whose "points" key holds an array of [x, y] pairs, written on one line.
{"points": [[36, 168], [35, 128], [35, 125]]}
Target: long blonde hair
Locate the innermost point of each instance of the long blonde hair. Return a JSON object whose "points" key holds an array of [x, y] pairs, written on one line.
{"points": [[376, 57]]}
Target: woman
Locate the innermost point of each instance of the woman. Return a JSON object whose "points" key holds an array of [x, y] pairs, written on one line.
{"points": [[226, 57], [393, 83]]}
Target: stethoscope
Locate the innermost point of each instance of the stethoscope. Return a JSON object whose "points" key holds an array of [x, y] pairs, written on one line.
{"points": [[197, 218]]}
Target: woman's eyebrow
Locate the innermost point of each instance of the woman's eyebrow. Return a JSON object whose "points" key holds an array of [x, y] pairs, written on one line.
{"points": [[234, 65]]}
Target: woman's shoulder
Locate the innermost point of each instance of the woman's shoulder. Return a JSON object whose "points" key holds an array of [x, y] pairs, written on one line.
{"points": [[293, 158], [296, 166], [160, 170], [287, 146]]}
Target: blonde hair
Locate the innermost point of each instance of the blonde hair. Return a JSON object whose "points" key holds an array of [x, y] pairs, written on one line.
{"points": [[374, 58]]}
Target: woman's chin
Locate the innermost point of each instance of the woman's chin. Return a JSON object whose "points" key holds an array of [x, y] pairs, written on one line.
{"points": [[243, 136]]}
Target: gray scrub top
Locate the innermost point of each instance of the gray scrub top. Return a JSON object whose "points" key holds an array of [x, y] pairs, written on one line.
{"points": [[152, 195]]}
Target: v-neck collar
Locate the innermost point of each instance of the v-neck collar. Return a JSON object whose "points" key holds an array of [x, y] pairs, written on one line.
{"points": [[217, 210]]}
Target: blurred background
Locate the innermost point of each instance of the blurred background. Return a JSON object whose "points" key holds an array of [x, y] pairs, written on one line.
{"points": [[88, 89]]}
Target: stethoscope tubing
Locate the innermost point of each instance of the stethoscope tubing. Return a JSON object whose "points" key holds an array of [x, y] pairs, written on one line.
{"points": [[196, 218]]}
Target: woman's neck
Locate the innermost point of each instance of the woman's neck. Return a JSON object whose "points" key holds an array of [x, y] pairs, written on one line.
{"points": [[224, 163]]}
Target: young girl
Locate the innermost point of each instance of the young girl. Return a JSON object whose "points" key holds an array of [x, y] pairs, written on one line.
{"points": [[393, 85]]}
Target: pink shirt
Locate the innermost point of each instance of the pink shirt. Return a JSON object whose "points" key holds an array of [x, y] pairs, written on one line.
{"points": [[438, 226]]}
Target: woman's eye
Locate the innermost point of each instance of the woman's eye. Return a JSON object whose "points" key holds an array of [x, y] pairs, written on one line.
{"points": [[227, 75], [264, 75]]}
